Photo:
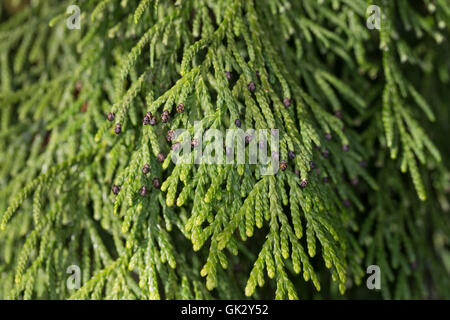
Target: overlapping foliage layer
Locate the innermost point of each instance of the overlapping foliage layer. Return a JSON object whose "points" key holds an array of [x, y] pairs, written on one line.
{"points": [[365, 113]]}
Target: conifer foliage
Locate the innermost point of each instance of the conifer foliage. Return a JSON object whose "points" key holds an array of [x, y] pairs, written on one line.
{"points": [[87, 121]]}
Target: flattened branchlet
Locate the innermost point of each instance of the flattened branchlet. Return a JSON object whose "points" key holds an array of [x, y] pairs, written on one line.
{"points": [[355, 138]]}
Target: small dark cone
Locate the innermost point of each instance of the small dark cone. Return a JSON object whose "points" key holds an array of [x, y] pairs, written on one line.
{"points": [[228, 75], [146, 120], [111, 116], [143, 191], [194, 143], [161, 157], [291, 154], [153, 121], [312, 165], [338, 114], [326, 179], [84, 107], [346, 203], [287, 102], [283, 165], [146, 168], [326, 153], [165, 117], [118, 128], [363, 164], [303, 183], [297, 172], [251, 86], [170, 135], [148, 114], [237, 123], [180, 108], [77, 89], [355, 181], [156, 183], [328, 136], [248, 138], [174, 147], [345, 147], [116, 189]]}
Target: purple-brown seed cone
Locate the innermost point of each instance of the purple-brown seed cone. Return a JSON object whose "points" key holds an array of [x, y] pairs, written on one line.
{"points": [[156, 183], [251, 86], [143, 191], [328, 136], [326, 153], [174, 147], [303, 183], [346, 203], [228, 75], [338, 114], [146, 168], [291, 154], [355, 181], [165, 116], [84, 107], [194, 143], [345, 147], [118, 128], [77, 90], [170, 135], [312, 165], [287, 102], [152, 120], [326, 179], [111, 116], [146, 120], [180, 108], [161, 157], [237, 123], [283, 165], [116, 189]]}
